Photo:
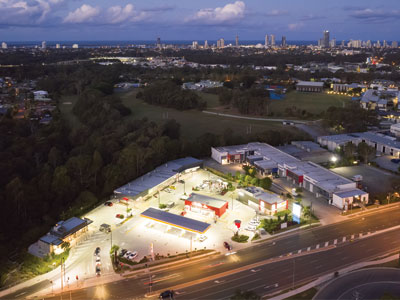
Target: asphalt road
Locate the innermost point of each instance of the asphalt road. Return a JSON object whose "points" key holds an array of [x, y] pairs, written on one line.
{"points": [[369, 283], [263, 280], [339, 234]]}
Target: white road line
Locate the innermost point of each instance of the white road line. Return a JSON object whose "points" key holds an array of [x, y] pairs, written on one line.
{"points": [[317, 247], [308, 248], [326, 244]]}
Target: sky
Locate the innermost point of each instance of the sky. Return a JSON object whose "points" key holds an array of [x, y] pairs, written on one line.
{"points": [[91, 20]]}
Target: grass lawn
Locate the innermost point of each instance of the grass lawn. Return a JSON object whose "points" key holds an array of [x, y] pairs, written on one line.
{"points": [[195, 123], [211, 99], [312, 102], [66, 104]]}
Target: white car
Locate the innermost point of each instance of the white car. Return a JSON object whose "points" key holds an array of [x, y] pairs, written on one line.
{"points": [[251, 228], [131, 255], [254, 223]]}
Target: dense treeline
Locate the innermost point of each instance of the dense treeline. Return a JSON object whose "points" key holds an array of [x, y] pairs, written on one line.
{"points": [[351, 118], [169, 94], [249, 101]]}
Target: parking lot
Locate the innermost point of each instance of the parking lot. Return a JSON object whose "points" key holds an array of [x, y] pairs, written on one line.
{"points": [[140, 234], [376, 180], [386, 163]]}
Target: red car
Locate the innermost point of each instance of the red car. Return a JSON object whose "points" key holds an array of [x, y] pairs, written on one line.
{"points": [[119, 216], [108, 203]]}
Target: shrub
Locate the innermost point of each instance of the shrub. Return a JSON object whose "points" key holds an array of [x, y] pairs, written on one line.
{"points": [[162, 206], [256, 237], [240, 238]]}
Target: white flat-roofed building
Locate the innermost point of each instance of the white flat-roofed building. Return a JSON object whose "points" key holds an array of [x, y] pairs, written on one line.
{"points": [[382, 143], [267, 159], [310, 86], [395, 129], [262, 201]]}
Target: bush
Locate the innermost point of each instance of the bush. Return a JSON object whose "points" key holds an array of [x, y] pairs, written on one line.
{"points": [[162, 206], [256, 237], [240, 238]]}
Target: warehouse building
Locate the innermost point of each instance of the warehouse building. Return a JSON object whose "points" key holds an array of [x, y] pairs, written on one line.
{"points": [[314, 178], [310, 86], [262, 201], [158, 179], [382, 143], [206, 205]]}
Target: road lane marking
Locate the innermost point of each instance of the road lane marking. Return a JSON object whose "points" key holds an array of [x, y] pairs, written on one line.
{"points": [[308, 248], [317, 247], [20, 294], [326, 244], [254, 271]]}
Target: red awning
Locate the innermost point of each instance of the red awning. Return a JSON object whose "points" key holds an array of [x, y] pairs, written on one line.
{"points": [[126, 199]]}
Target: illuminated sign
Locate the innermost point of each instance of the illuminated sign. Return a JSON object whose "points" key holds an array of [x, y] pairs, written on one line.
{"points": [[296, 212]]}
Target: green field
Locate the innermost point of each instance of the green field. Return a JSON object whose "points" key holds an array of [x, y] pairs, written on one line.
{"points": [[211, 99], [195, 123], [312, 102]]}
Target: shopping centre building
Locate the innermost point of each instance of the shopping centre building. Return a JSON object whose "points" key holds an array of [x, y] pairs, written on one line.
{"points": [[311, 176]]}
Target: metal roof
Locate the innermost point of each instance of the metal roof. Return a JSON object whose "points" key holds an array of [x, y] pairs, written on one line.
{"points": [[65, 228], [350, 193], [311, 83], [51, 239], [157, 176], [203, 199], [175, 220]]}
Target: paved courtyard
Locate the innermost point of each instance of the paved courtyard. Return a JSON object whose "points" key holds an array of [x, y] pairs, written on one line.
{"points": [[376, 180]]}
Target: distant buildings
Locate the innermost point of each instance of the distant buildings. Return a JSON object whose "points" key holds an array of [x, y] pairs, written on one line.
{"points": [[237, 41], [44, 45], [221, 43], [195, 45], [325, 39], [158, 44], [3, 45], [273, 40], [75, 46], [58, 46], [283, 41], [266, 40], [310, 86], [205, 44], [204, 84]]}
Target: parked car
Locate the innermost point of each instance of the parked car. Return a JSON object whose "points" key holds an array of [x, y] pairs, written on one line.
{"points": [[170, 204], [130, 254], [227, 246], [181, 181], [169, 294], [119, 216], [98, 261], [108, 203], [97, 251], [395, 160], [123, 251], [251, 228]]}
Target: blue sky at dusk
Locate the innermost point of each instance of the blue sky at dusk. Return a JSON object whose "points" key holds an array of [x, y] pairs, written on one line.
{"points": [[23, 20]]}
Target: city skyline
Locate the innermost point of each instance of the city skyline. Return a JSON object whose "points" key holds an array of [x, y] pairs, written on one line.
{"points": [[251, 20]]}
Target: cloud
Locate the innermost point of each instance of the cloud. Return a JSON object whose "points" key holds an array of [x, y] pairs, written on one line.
{"points": [[295, 26], [276, 13], [112, 15], [118, 14], [30, 12], [368, 15], [83, 14], [230, 13], [311, 17]]}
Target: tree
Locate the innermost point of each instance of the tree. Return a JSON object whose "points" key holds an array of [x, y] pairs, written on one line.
{"points": [[65, 245], [96, 165], [366, 152], [172, 129], [266, 183], [349, 150]]}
